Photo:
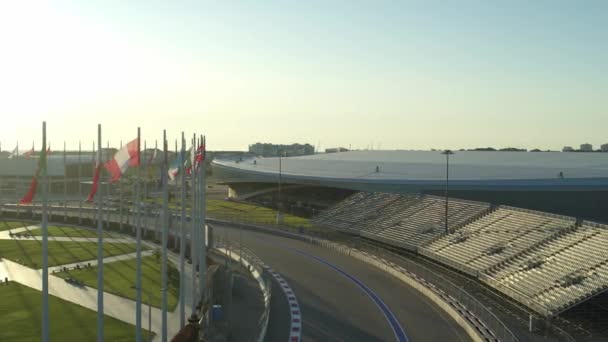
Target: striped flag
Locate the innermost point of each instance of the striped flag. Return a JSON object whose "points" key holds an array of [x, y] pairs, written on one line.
{"points": [[15, 152], [95, 185], [28, 154], [29, 196], [125, 157], [176, 165]]}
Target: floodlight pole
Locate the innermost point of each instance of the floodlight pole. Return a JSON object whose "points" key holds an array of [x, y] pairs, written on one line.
{"points": [[447, 154], [279, 218]]}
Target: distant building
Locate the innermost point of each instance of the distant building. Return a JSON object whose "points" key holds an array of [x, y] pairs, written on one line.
{"points": [[567, 149], [586, 148], [336, 149], [604, 148], [273, 150]]}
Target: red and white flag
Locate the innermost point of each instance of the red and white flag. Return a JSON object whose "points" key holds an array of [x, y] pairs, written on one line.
{"points": [[15, 152], [29, 153], [125, 157], [95, 184]]}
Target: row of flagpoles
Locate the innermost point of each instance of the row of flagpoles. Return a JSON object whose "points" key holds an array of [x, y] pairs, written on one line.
{"points": [[188, 164]]}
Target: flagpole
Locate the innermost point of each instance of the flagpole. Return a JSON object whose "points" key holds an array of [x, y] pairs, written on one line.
{"points": [[17, 178], [107, 215], [65, 185], [193, 235], [99, 202], [145, 196], [164, 236], [138, 236], [175, 235], [157, 217], [203, 253], [120, 200], [182, 241], [79, 184], [146, 168], [93, 157], [45, 245]]}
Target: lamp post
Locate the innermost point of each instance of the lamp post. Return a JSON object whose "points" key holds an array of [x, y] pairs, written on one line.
{"points": [[149, 312], [447, 154], [279, 216]]}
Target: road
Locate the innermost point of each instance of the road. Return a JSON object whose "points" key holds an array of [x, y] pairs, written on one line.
{"points": [[334, 307]]}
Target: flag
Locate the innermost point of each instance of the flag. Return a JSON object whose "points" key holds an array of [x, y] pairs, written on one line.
{"points": [[125, 157], [29, 153], [29, 196], [153, 156], [95, 183], [176, 165], [15, 152], [190, 160], [196, 159]]}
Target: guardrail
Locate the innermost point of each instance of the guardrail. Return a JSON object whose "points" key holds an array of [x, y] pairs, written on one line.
{"points": [[476, 308], [113, 216], [248, 260]]}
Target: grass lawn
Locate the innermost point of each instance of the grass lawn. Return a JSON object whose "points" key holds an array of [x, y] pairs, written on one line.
{"points": [[29, 253], [244, 212], [69, 232], [251, 213], [120, 276], [6, 225], [21, 312]]}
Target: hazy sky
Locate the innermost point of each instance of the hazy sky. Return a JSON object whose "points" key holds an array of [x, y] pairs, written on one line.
{"points": [[397, 74]]}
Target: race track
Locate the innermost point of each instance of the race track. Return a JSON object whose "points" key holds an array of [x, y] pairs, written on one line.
{"points": [[343, 299]]}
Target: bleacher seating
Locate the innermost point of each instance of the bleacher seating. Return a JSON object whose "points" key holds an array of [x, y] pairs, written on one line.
{"points": [[402, 220], [546, 262], [560, 272], [498, 236], [417, 221], [350, 214]]}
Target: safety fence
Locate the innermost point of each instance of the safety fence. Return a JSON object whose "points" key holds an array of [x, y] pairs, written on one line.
{"points": [[113, 216], [255, 266]]}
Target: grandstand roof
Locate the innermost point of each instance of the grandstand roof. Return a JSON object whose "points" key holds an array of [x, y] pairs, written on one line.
{"points": [[422, 170]]}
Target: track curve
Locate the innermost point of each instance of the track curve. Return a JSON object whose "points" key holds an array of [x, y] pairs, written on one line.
{"points": [[336, 308]]}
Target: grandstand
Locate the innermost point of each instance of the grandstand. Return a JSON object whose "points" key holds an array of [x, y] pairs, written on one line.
{"points": [[546, 262], [497, 236], [402, 220], [560, 272]]}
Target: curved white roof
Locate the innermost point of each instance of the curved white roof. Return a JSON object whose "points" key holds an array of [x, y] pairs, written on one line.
{"points": [[426, 169]]}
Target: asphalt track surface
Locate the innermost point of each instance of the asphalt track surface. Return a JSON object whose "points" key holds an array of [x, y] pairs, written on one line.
{"points": [[334, 306]]}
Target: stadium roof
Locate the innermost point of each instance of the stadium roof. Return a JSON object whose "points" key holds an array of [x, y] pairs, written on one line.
{"points": [[425, 170]]}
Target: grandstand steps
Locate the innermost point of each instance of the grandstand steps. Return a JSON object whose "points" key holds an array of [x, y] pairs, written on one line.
{"points": [[545, 262], [539, 246], [531, 250], [466, 230], [469, 220]]}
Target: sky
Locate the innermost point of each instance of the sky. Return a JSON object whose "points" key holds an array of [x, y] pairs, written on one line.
{"points": [[381, 74]]}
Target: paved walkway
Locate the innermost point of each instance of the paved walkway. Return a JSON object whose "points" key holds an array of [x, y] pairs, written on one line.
{"points": [[105, 260], [5, 233], [3, 272], [114, 306]]}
